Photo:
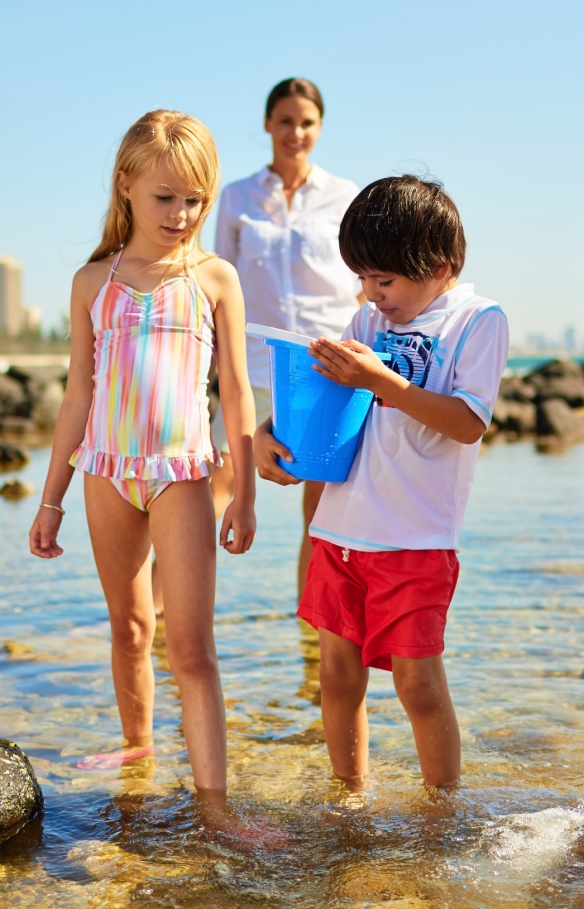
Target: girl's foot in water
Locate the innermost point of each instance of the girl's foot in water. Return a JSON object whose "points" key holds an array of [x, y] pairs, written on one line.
{"points": [[111, 760], [248, 835]]}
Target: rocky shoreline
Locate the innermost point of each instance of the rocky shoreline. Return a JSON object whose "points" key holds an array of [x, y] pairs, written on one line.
{"points": [[546, 405]]}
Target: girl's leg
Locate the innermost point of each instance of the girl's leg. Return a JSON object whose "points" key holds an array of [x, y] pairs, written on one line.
{"points": [[182, 526], [312, 493], [121, 545], [343, 681], [423, 690]]}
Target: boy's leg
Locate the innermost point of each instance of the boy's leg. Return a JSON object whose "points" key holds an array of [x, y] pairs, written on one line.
{"points": [[182, 526], [343, 680], [423, 691], [121, 546]]}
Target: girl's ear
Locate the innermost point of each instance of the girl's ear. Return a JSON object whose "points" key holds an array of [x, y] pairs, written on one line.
{"points": [[123, 184]]}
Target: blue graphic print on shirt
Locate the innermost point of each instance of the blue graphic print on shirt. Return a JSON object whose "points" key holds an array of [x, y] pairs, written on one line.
{"points": [[412, 355]]}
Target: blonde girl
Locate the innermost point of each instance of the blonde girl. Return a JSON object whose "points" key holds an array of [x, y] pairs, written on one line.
{"points": [[147, 312]]}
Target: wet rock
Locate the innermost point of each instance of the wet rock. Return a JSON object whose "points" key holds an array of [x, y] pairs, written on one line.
{"points": [[558, 425], [16, 489], [43, 387], [20, 794], [559, 379], [515, 388], [47, 404], [12, 457], [555, 369], [13, 399], [16, 649], [516, 417]]}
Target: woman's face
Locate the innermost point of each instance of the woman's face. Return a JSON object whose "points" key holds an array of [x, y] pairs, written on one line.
{"points": [[294, 126]]}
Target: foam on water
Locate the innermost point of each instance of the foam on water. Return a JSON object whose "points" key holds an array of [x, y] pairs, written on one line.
{"points": [[533, 840]]}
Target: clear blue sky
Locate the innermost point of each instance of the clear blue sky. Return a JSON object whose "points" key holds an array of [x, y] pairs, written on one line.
{"points": [[485, 96]]}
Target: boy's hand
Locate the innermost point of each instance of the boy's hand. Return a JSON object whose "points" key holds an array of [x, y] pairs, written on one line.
{"points": [[266, 450], [348, 363], [43, 534], [241, 520]]}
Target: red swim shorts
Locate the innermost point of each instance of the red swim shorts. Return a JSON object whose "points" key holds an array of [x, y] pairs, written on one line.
{"points": [[385, 602]]}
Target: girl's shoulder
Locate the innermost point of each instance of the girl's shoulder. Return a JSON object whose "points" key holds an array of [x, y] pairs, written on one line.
{"points": [[215, 267], [90, 278], [217, 278]]}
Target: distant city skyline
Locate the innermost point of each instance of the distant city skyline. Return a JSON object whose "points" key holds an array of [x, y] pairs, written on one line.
{"points": [[15, 317]]}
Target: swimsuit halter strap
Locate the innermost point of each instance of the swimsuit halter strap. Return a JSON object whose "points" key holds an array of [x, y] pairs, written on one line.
{"points": [[115, 264]]}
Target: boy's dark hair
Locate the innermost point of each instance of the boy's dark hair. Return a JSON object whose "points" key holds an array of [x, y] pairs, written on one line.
{"points": [[289, 87], [402, 225]]}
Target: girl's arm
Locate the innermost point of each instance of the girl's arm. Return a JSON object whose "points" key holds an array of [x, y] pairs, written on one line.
{"points": [[72, 419], [353, 363], [236, 400]]}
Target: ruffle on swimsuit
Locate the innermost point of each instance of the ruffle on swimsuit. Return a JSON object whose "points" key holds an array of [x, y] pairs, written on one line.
{"points": [[148, 467]]}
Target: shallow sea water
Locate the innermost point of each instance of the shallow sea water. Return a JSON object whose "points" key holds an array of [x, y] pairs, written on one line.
{"points": [[511, 836]]}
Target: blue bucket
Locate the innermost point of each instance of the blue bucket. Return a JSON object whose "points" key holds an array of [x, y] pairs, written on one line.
{"points": [[320, 422]]}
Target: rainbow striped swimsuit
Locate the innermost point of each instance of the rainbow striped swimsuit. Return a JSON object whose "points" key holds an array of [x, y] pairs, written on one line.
{"points": [[148, 424]]}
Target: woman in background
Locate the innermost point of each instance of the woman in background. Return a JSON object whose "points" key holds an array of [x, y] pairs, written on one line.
{"points": [[280, 229]]}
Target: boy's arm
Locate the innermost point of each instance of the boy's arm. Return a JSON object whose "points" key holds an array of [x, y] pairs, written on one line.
{"points": [[266, 450], [352, 363]]}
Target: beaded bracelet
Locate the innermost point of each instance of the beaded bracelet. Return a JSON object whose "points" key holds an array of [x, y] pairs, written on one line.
{"points": [[56, 507]]}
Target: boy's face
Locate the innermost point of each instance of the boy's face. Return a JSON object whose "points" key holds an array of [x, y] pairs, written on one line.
{"points": [[399, 298]]}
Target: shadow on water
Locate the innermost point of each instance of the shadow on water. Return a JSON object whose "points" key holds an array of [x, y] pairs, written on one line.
{"points": [[511, 836]]}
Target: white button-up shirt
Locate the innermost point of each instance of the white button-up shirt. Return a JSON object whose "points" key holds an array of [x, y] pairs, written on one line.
{"points": [[288, 260]]}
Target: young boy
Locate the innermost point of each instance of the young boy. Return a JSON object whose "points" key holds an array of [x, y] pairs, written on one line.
{"points": [[384, 566]]}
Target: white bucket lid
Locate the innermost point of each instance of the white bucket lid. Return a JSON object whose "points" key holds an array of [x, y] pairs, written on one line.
{"points": [[266, 333]]}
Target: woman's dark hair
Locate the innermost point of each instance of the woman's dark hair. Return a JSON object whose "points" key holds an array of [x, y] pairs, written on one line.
{"points": [[402, 225], [289, 87]]}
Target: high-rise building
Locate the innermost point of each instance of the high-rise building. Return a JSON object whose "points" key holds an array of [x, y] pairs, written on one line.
{"points": [[11, 308]]}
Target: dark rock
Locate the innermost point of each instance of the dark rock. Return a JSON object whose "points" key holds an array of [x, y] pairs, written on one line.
{"points": [[556, 369], [557, 425], [514, 416], [13, 458], [514, 388], [521, 418], [20, 794], [38, 375], [569, 389], [13, 398], [16, 489]]}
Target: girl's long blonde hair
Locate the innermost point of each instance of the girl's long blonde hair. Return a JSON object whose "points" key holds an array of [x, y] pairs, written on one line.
{"points": [[187, 146]]}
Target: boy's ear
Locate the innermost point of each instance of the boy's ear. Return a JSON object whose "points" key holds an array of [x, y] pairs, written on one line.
{"points": [[443, 272]]}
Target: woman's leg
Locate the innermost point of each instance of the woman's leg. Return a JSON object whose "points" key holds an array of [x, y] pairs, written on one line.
{"points": [[182, 526], [423, 690], [222, 485], [312, 493], [121, 546], [343, 682]]}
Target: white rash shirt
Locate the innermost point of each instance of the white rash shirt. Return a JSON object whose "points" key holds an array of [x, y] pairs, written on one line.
{"points": [[409, 485], [288, 261]]}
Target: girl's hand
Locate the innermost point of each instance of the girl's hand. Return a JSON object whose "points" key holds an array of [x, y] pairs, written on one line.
{"points": [[241, 520], [348, 363], [266, 450], [43, 534]]}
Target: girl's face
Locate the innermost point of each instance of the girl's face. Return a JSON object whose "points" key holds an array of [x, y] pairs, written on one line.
{"points": [[164, 209], [294, 126]]}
